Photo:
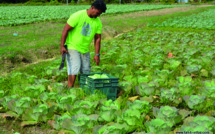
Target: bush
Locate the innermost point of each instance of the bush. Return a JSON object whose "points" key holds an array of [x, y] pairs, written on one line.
{"points": [[167, 1], [54, 2]]}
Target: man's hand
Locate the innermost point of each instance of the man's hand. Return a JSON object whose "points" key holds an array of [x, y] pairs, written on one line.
{"points": [[97, 59], [62, 50], [66, 29]]}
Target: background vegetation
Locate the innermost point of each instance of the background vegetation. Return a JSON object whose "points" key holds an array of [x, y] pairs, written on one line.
{"points": [[71, 2]]}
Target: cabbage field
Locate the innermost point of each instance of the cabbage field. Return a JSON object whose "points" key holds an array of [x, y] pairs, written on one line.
{"points": [[16, 15], [167, 78], [203, 20]]}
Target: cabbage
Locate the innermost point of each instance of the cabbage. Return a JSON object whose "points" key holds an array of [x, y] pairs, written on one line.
{"points": [[98, 76]]}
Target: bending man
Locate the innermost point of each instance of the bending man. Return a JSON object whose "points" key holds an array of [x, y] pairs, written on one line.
{"points": [[78, 33]]}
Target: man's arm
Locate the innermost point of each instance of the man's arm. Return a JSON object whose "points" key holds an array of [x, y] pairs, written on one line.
{"points": [[64, 36], [97, 43]]}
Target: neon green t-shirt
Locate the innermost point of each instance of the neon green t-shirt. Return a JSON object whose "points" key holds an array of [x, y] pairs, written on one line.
{"points": [[83, 32]]}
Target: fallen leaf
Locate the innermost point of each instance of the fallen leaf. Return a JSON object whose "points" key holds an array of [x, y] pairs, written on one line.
{"points": [[147, 117], [51, 122], [10, 114], [156, 97], [133, 98], [193, 75], [27, 123]]}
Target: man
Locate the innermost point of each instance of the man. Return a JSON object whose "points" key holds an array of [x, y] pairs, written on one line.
{"points": [[78, 33]]}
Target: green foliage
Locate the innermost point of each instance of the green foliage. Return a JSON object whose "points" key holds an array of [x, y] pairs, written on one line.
{"points": [[196, 102], [209, 89], [200, 124], [167, 1], [39, 113], [141, 106], [114, 128], [59, 120], [146, 89], [2, 94], [80, 123], [158, 126], [82, 107], [108, 111], [185, 85], [19, 105], [168, 114], [170, 95], [132, 118], [203, 20], [28, 14]]}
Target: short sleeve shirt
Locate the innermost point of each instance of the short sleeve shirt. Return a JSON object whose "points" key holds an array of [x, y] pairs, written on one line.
{"points": [[83, 32]]}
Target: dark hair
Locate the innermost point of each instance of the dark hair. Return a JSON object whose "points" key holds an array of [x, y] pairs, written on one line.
{"points": [[100, 5]]}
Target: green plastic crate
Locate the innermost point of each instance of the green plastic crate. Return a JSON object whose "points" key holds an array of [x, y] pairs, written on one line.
{"points": [[106, 85]]}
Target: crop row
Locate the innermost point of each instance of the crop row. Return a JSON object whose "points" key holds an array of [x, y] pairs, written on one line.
{"points": [[172, 73], [27, 14], [203, 20]]}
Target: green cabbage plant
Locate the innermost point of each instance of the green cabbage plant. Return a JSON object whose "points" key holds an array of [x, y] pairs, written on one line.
{"points": [[80, 123], [170, 95], [169, 114], [158, 126], [200, 123], [19, 105], [195, 102], [209, 89], [132, 118], [142, 106], [84, 107], [114, 128], [184, 85], [109, 111]]}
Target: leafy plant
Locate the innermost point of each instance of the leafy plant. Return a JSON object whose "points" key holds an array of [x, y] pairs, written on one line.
{"points": [[84, 107], [19, 105], [133, 118], [185, 85], [158, 126], [195, 102], [168, 114], [6, 99], [170, 95], [59, 120], [141, 106], [200, 124], [114, 128], [34, 91], [2, 94], [209, 89], [80, 123], [108, 111], [146, 89], [39, 113]]}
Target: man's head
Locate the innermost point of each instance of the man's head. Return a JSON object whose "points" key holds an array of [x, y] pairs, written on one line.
{"points": [[97, 8]]}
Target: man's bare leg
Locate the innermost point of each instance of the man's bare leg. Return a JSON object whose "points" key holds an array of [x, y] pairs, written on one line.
{"points": [[71, 80]]}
